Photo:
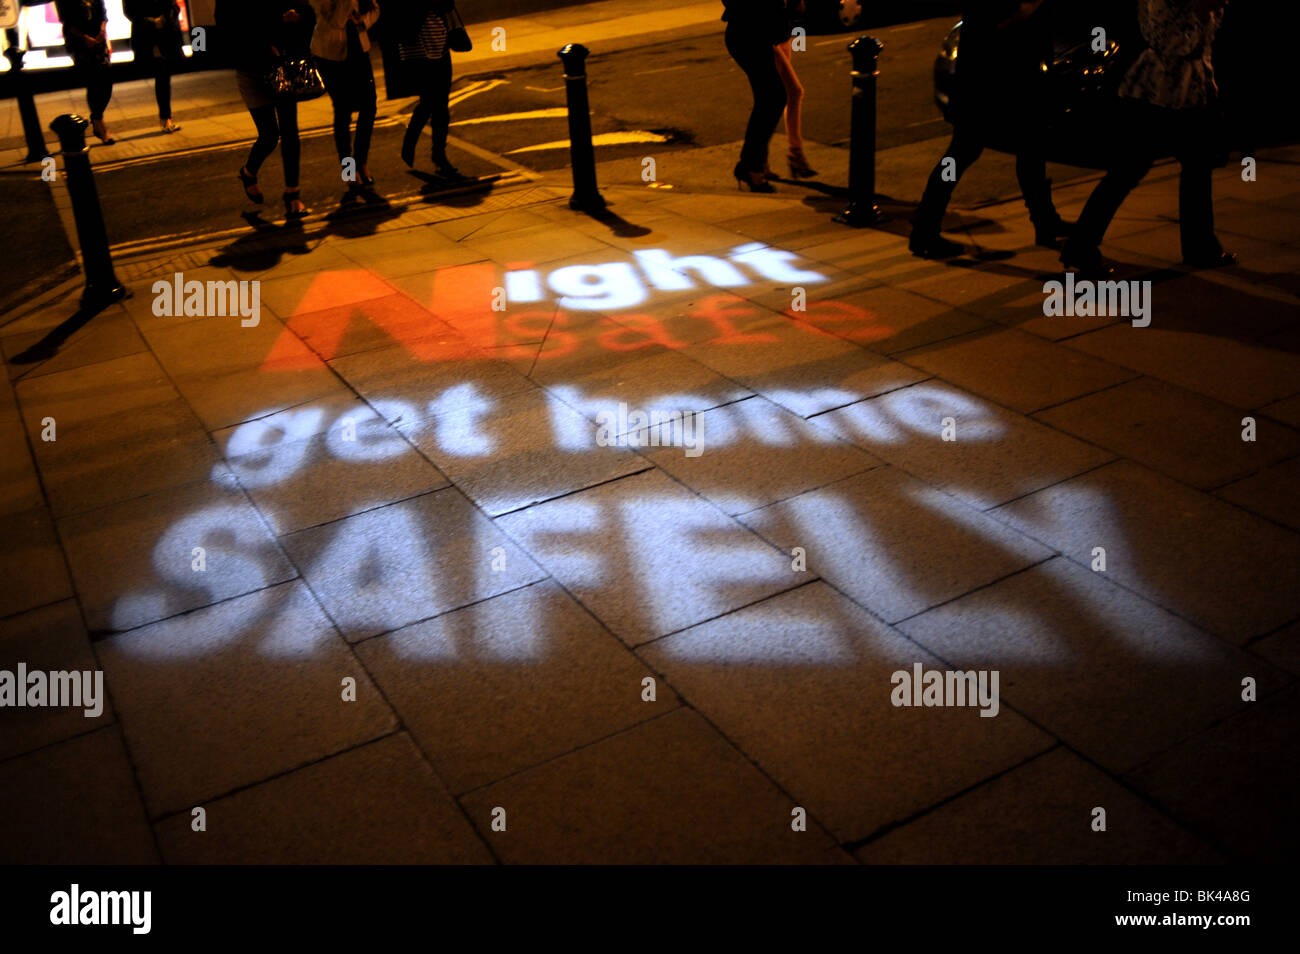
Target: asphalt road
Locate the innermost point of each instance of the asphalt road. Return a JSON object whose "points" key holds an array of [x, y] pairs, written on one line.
{"points": [[676, 95]]}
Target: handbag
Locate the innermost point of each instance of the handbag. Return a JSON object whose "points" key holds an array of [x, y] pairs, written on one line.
{"points": [[296, 80], [458, 40]]}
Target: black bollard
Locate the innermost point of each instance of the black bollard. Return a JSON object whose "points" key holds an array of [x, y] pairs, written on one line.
{"points": [[36, 150], [582, 156], [102, 286], [862, 209]]}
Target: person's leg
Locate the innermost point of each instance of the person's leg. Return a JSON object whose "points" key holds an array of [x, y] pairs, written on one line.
{"points": [[1036, 188], [99, 90], [336, 84], [966, 146], [367, 104], [440, 120], [755, 56], [799, 167], [290, 145], [268, 137], [162, 88], [420, 70], [1195, 153]]}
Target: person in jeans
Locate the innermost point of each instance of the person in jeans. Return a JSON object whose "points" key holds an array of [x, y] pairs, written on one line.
{"points": [[156, 44], [259, 33], [341, 45], [422, 46], [1001, 94], [1169, 94], [755, 28], [85, 37]]}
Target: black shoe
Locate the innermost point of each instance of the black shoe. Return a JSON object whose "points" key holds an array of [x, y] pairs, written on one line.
{"points": [[446, 170], [408, 148], [756, 181], [293, 206], [1088, 264], [932, 245], [1050, 234], [249, 181], [1219, 259]]}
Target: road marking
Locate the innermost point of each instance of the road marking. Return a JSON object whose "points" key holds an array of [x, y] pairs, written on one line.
{"points": [[602, 139], [544, 89], [925, 122], [839, 39], [912, 26], [557, 112], [666, 69], [473, 89]]}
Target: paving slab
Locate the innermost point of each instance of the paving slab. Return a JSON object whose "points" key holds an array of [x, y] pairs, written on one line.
{"points": [[377, 804], [893, 544], [235, 693], [49, 639], [1236, 783], [997, 455], [509, 683], [108, 335], [134, 562], [1041, 813], [409, 561], [1209, 363], [74, 803], [889, 320], [669, 791], [109, 459], [525, 448], [750, 454], [32, 564], [1114, 676], [647, 557], [1207, 561], [1017, 369], [1273, 493], [1179, 433], [801, 683], [230, 373]]}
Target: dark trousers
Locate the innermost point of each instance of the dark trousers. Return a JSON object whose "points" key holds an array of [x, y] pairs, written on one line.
{"points": [[162, 86], [1155, 131], [755, 54], [433, 79], [277, 124], [966, 146], [99, 88], [351, 85]]}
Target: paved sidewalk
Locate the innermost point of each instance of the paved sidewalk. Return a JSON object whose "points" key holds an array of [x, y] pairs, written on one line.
{"points": [[365, 572]]}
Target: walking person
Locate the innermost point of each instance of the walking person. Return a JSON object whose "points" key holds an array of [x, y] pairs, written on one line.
{"points": [[422, 27], [85, 37], [156, 44], [799, 168], [1001, 96], [261, 32], [1170, 97], [755, 28], [341, 45]]}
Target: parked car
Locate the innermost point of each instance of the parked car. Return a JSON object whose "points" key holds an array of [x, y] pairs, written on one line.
{"points": [[1083, 80]]}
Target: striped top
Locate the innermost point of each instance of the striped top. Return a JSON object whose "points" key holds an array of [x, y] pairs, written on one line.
{"points": [[429, 42]]}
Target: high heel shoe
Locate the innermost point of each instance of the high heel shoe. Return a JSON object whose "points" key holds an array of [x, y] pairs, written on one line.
{"points": [[101, 132], [293, 205], [169, 126], [799, 168], [754, 180], [250, 182]]}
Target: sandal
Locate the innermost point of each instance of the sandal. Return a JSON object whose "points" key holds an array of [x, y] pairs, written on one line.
{"points": [[250, 183], [293, 206]]}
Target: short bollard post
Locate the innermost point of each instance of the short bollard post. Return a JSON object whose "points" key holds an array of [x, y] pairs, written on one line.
{"points": [[862, 209], [102, 286], [36, 150], [582, 156]]}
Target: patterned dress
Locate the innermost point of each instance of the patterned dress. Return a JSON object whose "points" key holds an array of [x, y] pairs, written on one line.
{"points": [[1175, 70], [429, 42]]}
